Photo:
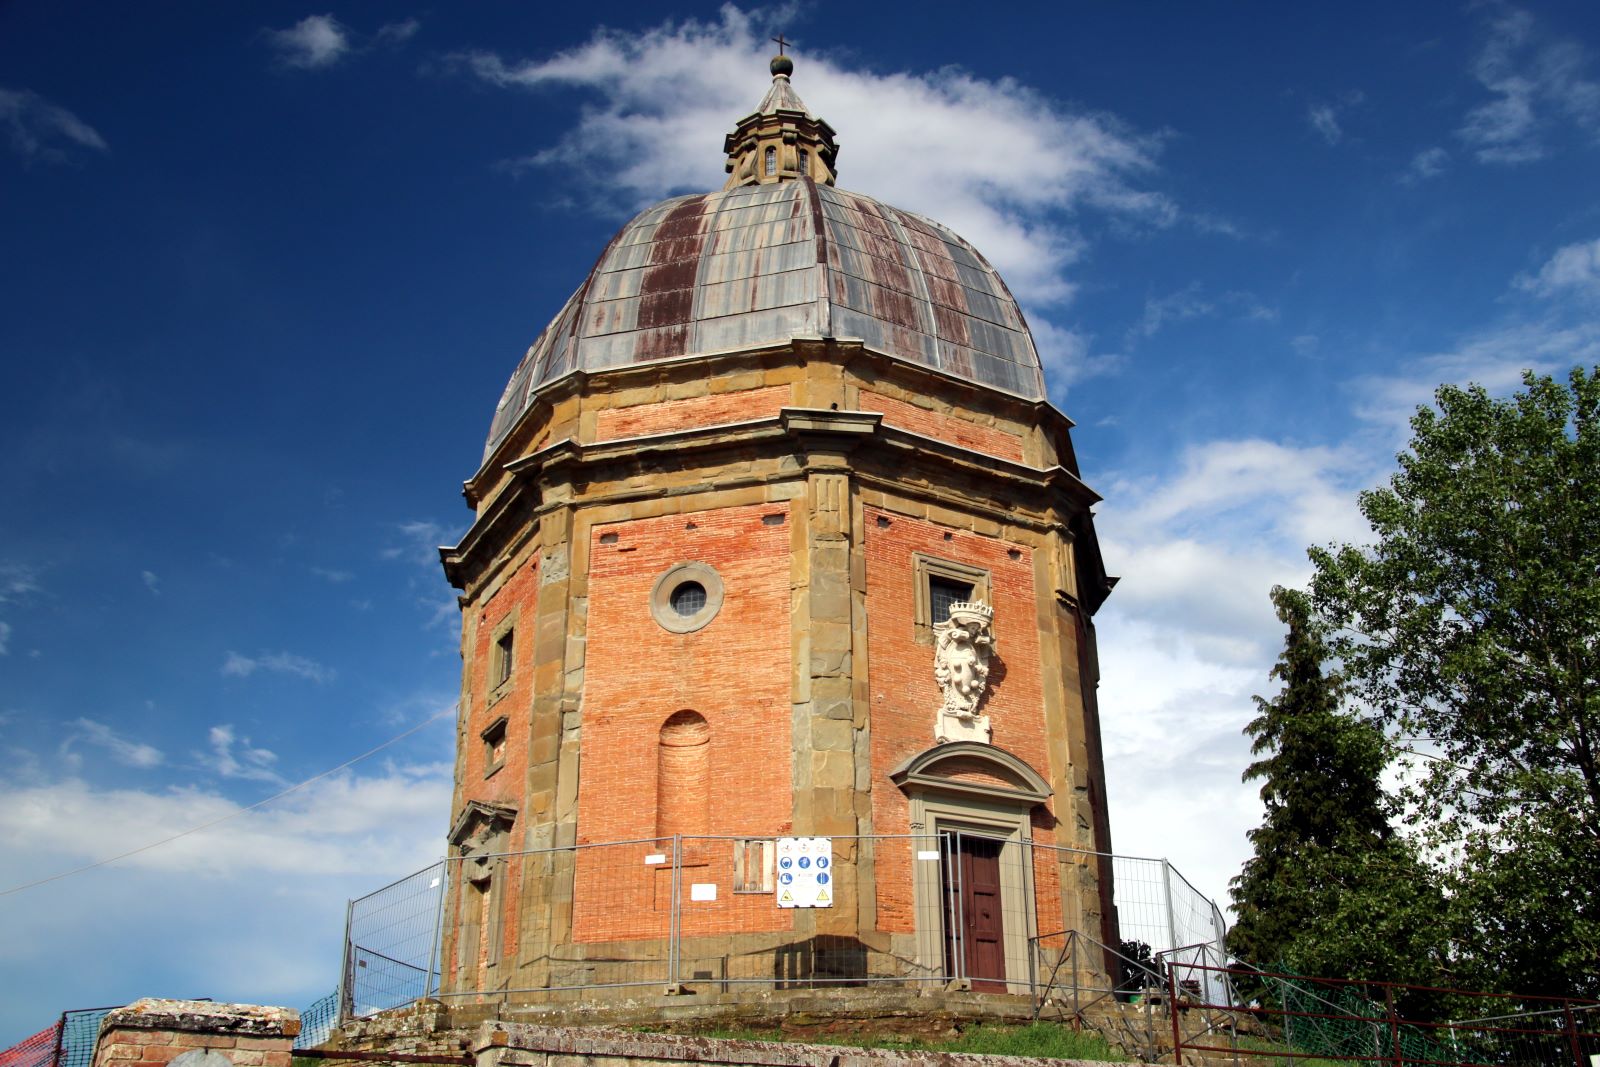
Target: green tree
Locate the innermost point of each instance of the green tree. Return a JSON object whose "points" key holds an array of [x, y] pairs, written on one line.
{"points": [[1331, 890], [1471, 627]]}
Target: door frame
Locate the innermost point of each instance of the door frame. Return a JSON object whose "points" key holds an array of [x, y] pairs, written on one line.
{"points": [[1001, 822]]}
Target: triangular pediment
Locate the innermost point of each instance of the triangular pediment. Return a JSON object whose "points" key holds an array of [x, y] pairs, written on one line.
{"points": [[479, 821]]}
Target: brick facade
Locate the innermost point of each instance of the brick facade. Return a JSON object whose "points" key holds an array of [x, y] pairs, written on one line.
{"points": [[929, 423], [733, 674], [689, 412], [787, 711]]}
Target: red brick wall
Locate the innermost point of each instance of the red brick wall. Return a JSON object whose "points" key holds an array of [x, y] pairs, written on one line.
{"points": [[520, 593], [666, 415], [942, 427], [905, 698], [735, 672]]}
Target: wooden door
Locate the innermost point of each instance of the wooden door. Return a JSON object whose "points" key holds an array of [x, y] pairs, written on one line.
{"points": [[973, 908]]}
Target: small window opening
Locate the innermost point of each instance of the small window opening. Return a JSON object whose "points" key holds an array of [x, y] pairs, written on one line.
{"points": [[943, 592], [752, 866], [772, 160], [504, 657], [941, 583], [494, 746], [805, 160], [688, 598]]}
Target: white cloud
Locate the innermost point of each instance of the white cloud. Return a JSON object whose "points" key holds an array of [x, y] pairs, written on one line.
{"points": [[314, 41], [243, 761], [1191, 302], [398, 32], [1001, 164], [1493, 358], [1428, 163], [331, 574], [417, 541], [17, 580], [1535, 81], [40, 130], [1324, 118], [5, 638], [155, 922], [1573, 268], [130, 753], [1190, 635], [235, 665], [1066, 357], [151, 581]]}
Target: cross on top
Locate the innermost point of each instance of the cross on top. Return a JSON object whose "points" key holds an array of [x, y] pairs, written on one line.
{"points": [[782, 49]]}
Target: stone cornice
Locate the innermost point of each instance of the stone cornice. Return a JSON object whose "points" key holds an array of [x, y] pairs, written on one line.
{"points": [[532, 477]]}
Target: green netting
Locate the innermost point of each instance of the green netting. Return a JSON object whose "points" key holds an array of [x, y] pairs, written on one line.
{"points": [[1341, 1022]]}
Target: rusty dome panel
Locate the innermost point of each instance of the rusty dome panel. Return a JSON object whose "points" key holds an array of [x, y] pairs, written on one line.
{"points": [[763, 264]]}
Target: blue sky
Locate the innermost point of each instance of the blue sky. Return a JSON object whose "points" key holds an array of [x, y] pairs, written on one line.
{"points": [[265, 270]]}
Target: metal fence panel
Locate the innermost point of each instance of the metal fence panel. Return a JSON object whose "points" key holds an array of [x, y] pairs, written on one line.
{"points": [[701, 912], [391, 951]]}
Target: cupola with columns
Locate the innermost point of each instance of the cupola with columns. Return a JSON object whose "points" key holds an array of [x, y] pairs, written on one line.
{"points": [[781, 140]]}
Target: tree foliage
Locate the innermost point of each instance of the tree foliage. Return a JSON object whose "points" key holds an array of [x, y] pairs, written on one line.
{"points": [[1471, 628], [1331, 890]]}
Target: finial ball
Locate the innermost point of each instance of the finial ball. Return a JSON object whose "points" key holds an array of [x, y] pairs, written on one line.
{"points": [[782, 65]]}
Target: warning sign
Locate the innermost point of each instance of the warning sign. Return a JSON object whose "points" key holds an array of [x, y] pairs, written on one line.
{"points": [[805, 872]]}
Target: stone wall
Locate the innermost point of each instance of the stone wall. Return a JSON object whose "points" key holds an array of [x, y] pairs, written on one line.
{"points": [[195, 1033]]}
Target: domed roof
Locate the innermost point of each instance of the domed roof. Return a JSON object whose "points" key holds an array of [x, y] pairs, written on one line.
{"points": [[788, 257]]}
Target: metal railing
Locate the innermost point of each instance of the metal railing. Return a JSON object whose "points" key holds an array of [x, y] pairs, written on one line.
{"points": [[702, 912], [1291, 1017]]}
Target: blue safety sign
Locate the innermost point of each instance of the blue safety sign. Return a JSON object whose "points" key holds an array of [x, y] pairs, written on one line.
{"points": [[804, 881]]}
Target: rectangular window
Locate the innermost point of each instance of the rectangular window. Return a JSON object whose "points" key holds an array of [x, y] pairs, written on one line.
{"points": [[942, 592], [939, 584], [494, 746], [504, 657], [752, 866]]}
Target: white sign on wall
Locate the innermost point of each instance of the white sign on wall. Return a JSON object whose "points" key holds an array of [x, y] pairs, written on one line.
{"points": [[805, 872]]}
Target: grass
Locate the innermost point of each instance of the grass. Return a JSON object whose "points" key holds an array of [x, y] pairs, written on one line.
{"points": [[1047, 1040]]}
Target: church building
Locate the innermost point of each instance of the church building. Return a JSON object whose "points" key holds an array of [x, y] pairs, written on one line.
{"points": [[777, 539]]}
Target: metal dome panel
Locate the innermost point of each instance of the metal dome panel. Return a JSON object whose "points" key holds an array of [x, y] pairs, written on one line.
{"points": [[763, 264]]}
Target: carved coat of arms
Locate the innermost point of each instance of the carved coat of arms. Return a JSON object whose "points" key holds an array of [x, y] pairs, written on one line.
{"points": [[963, 644]]}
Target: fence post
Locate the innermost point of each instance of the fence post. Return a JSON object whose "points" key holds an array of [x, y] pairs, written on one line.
{"points": [[1172, 997], [1572, 1034], [675, 924], [1172, 922], [1077, 1008], [435, 945], [346, 975], [1394, 1026], [61, 1033], [960, 941]]}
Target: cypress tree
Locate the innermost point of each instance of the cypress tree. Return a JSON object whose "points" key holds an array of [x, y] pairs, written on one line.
{"points": [[1331, 890]]}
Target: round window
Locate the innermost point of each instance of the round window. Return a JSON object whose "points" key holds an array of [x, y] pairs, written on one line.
{"points": [[686, 597]]}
